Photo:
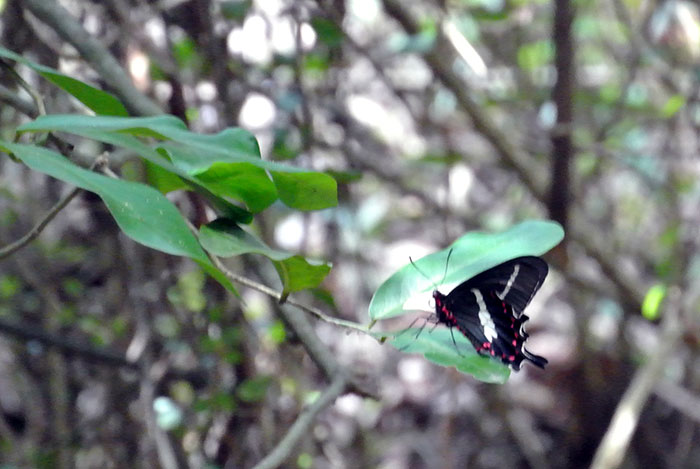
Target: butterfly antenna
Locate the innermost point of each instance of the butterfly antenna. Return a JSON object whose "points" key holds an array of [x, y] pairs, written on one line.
{"points": [[444, 274], [421, 272], [447, 263]]}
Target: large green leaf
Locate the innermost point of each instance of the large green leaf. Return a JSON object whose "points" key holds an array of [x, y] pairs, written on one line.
{"points": [[99, 101], [297, 188], [143, 213], [471, 254], [243, 181], [224, 238], [438, 346]]}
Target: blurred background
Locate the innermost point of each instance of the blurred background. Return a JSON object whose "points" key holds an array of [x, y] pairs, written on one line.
{"points": [[436, 118]]}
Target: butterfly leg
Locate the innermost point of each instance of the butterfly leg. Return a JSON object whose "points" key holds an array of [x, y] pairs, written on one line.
{"points": [[455, 342], [408, 329], [426, 321]]}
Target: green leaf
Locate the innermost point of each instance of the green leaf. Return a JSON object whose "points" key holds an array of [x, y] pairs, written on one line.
{"points": [[142, 212], [162, 179], [195, 153], [253, 389], [224, 238], [242, 181], [9, 285], [652, 302], [299, 274], [328, 32], [471, 254], [306, 191], [190, 290], [101, 102], [153, 126], [221, 205], [438, 347], [235, 9], [674, 104], [186, 54], [535, 55]]}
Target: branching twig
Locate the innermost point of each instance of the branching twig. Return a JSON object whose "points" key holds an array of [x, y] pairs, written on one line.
{"points": [[278, 296]]}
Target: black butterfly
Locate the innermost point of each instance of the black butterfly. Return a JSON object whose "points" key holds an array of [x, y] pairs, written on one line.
{"points": [[488, 309]]}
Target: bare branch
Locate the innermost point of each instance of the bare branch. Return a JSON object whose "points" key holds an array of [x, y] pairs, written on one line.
{"points": [[562, 94], [613, 447], [680, 399], [300, 428]]}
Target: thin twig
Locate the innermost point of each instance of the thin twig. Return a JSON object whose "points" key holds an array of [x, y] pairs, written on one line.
{"points": [[278, 296], [13, 99], [36, 96], [39, 227], [680, 399], [301, 426]]}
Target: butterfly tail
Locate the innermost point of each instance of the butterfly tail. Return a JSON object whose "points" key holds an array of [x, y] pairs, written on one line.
{"points": [[535, 359]]}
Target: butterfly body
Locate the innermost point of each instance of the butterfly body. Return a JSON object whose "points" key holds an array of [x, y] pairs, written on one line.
{"points": [[488, 309]]}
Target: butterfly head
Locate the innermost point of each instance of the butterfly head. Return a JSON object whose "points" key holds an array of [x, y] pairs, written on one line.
{"points": [[443, 313]]}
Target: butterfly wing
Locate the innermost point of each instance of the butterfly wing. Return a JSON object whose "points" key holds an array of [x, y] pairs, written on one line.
{"points": [[488, 309], [515, 281]]}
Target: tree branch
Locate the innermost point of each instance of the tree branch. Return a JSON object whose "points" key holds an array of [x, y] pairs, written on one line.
{"points": [[440, 58], [54, 15], [562, 146], [613, 447], [300, 428]]}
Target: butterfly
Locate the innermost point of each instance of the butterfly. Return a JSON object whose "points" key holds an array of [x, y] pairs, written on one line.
{"points": [[488, 309]]}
